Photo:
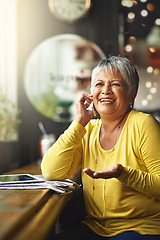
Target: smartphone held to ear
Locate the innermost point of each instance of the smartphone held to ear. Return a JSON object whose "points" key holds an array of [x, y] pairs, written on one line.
{"points": [[94, 111], [92, 108]]}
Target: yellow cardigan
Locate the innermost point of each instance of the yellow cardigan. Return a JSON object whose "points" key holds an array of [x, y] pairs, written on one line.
{"points": [[129, 203]]}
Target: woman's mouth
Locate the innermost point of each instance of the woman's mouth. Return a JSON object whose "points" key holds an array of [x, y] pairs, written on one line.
{"points": [[107, 100]]}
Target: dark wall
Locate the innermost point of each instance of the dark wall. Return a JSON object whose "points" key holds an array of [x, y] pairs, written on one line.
{"points": [[35, 24]]}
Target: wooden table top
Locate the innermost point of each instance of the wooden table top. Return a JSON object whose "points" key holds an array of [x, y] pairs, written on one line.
{"points": [[29, 214]]}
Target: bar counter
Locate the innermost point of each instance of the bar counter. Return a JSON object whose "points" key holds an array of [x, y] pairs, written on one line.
{"points": [[29, 214]]}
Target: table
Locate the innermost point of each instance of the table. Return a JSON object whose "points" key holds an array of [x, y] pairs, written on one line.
{"points": [[29, 214]]}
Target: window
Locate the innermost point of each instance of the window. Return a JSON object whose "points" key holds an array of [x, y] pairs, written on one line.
{"points": [[8, 49]]}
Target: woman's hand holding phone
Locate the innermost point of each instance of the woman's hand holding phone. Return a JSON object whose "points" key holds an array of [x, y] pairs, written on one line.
{"points": [[84, 115]]}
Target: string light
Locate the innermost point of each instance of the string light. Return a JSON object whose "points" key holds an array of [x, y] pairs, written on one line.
{"points": [[144, 102], [152, 49], [157, 21], [131, 15], [150, 7], [144, 13], [148, 84], [132, 39], [149, 97], [143, 25], [128, 48], [153, 90], [156, 84], [156, 71], [150, 69], [127, 3]]}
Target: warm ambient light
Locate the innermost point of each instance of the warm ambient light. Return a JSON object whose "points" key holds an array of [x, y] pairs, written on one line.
{"points": [[148, 84], [144, 13], [127, 3], [153, 90], [143, 25], [149, 97], [156, 84], [144, 102], [156, 71], [152, 49], [132, 39], [157, 21], [128, 48], [8, 51], [131, 15], [150, 7], [143, 1], [150, 69]]}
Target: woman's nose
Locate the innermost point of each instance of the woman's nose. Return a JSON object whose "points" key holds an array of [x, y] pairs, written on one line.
{"points": [[107, 89]]}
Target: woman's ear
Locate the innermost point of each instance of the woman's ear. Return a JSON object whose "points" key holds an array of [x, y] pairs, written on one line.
{"points": [[132, 97]]}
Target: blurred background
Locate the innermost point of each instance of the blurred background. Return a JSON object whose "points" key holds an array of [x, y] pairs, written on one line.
{"points": [[47, 52]]}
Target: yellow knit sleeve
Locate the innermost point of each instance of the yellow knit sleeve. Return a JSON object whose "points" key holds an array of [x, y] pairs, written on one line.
{"points": [[143, 182], [63, 159], [149, 146]]}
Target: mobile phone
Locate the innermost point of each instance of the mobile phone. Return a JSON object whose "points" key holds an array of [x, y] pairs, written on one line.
{"points": [[93, 109]]}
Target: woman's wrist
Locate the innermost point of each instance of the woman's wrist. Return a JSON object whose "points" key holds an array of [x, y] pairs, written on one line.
{"points": [[82, 121]]}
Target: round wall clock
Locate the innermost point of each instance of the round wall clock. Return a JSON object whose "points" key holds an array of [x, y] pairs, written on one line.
{"points": [[69, 10]]}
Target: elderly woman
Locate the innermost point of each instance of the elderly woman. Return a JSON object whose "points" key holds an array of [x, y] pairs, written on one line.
{"points": [[119, 155]]}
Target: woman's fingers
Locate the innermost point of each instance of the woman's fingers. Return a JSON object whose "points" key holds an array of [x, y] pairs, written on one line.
{"points": [[89, 172], [112, 172], [86, 100], [84, 115]]}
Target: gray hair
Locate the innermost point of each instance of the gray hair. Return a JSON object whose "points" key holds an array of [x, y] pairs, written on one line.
{"points": [[116, 64]]}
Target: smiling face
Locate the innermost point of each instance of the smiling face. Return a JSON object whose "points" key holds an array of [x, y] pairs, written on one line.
{"points": [[111, 94]]}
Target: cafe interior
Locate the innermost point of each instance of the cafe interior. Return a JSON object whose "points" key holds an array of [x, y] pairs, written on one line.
{"points": [[48, 50]]}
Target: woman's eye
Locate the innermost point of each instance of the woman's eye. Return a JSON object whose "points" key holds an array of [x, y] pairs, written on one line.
{"points": [[98, 84], [116, 84]]}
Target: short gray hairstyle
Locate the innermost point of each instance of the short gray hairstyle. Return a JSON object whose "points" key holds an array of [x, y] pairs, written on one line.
{"points": [[116, 64]]}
